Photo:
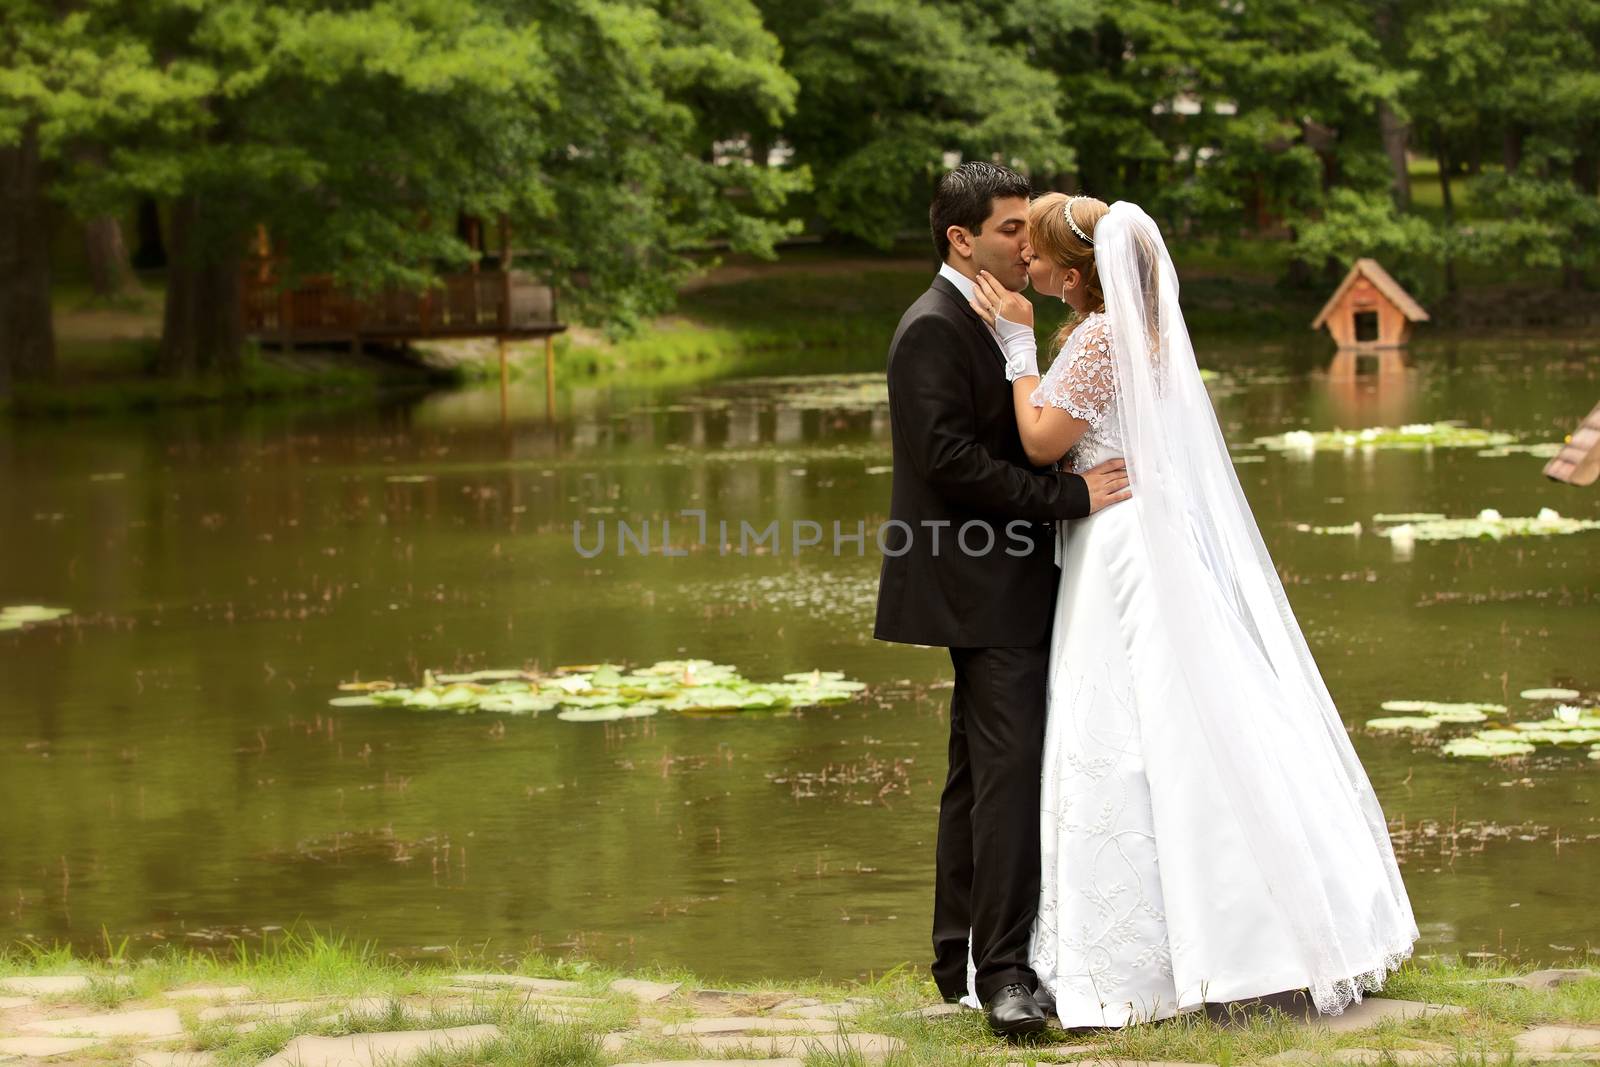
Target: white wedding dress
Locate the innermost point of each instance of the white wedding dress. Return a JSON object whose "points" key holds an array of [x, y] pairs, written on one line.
{"points": [[1207, 834]]}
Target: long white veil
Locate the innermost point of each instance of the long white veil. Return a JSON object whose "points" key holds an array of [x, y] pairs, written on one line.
{"points": [[1290, 777]]}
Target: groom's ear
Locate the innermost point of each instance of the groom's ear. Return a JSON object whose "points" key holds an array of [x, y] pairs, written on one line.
{"points": [[960, 240]]}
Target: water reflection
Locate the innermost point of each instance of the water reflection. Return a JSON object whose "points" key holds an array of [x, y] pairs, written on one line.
{"points": [[1371, 388], [174, 749]]}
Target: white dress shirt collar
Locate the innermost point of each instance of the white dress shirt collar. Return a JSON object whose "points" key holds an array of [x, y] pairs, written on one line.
{"points": [[966, 287], [963, 284]]}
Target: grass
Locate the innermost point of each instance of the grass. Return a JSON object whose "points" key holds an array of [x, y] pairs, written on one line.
{"points": [[101, 377], [296, 967]]}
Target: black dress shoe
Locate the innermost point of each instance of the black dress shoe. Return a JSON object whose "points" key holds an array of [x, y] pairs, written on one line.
{"points": [[1013, 1012]]}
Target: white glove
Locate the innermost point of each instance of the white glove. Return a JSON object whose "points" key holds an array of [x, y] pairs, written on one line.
{"points": [[1021, 348]]}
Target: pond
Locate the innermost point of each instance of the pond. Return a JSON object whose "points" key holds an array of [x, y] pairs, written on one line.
{"points": [[171, 771]]}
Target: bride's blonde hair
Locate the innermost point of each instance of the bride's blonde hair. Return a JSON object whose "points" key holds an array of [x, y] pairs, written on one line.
{"points": [[1052, 237]]}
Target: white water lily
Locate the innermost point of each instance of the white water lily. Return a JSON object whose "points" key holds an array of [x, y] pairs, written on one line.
{"points": [[1300, 439], [1549, 515], [1489, 515], [1568, 713], [1369, 434]]}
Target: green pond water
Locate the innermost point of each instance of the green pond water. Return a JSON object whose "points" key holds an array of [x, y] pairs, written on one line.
{"points": [[171, 772]]}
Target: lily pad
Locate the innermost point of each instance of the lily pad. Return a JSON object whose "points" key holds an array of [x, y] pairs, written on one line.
{"points": [[1476, 748], [1403, 722], [1548, 736], [690, 686], [1489, 524], [517, 703], [1550, 694], [608, 713], [16, 616], [478, 676], [1446, 712], [1416, 436]]}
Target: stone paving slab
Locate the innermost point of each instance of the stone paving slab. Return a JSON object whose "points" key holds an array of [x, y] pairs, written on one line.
{"points": [[932, 1011], [528, 996], [647, 992], [227, 993], [1547, 979], [51, 985], [716, 1063], [370, 1050], [44, 1047], [744, 1024], [1374, 1010], [871, 1046], [796, 1004], [1403, 1057], [615, 1043], [1124, 1063], [150, 1022], [1558, 1039], [267, 1010], [845, 1010], [542, 985], [175, 1059]]}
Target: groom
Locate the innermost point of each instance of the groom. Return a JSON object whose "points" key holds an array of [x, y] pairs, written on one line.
{"points": [[976, 574]]}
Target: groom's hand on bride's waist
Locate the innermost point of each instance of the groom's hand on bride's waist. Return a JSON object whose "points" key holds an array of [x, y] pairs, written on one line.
{"points": [[1108, 484]]}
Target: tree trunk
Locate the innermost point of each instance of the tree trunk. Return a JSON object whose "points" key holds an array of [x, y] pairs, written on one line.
{"points": [[1396, 139], [1442, 153], [203, 324], [27, 333], [1511, 148], [110, 272], [1586, 166], [151, 252]]}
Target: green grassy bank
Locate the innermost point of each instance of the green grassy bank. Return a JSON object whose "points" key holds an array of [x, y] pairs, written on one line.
{"points": [[592, 1022]]}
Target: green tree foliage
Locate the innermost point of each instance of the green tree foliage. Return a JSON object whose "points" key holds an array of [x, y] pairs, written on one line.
{"points": [[356, 133], [621, 137], [888, 88]]}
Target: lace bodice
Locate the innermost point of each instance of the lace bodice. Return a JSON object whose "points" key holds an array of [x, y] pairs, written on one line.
{"points": [[1083, 383]]}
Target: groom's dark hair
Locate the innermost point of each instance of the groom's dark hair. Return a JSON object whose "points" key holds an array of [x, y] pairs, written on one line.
{"points": [[965, 197]]}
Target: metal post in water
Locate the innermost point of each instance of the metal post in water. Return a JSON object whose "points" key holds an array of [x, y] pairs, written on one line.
{"points": [[550, 377]]}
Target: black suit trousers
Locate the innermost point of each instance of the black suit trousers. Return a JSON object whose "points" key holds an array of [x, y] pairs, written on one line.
{"points": [[987, 873]]}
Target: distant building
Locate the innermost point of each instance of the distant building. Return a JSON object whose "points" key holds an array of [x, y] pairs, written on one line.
{"points": [[1369, 310]]}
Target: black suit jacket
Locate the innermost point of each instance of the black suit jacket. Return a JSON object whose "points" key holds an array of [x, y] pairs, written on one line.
{"points": [[958, 461]]}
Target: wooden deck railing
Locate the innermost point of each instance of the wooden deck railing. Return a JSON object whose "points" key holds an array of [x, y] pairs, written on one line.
{"points": [[483, 304]]}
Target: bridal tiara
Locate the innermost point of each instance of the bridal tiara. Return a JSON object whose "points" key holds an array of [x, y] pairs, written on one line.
{"points": [[1066, 213]]}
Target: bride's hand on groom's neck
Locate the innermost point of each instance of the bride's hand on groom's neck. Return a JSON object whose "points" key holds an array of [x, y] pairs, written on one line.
{"points": [[991, 299]]}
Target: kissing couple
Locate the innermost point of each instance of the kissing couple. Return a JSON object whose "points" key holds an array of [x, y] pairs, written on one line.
{"points": [[1151, 801]]}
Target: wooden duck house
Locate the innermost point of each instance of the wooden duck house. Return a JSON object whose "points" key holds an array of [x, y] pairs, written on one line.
{"points": [[1369, 310], [1578, 462]]}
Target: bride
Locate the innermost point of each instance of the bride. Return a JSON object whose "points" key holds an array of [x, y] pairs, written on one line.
{"points": [[1207, 831]]}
